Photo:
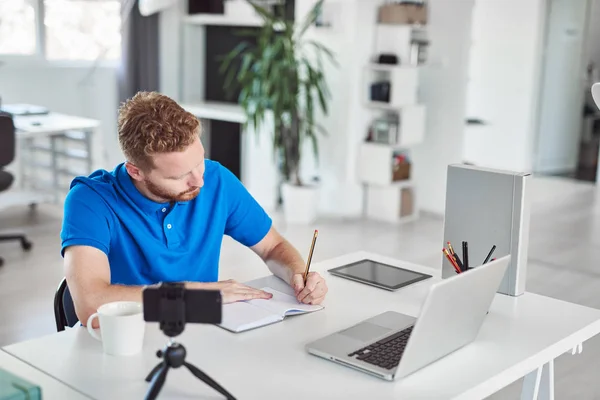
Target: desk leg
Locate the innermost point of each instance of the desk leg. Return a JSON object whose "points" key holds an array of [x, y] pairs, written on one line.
{"points": [[55, 178], [539, 384], [88, 149], [25, 158]]}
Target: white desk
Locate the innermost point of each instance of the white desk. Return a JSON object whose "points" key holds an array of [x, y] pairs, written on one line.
{"points": [[51, 388], [32, 126], [59, 129], [519, 336]]}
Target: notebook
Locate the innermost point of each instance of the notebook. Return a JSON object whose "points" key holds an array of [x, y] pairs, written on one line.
{"points": [[245, 315]]}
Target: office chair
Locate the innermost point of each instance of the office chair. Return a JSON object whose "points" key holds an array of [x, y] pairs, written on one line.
{"points": [[64, 309], [7, 156]]}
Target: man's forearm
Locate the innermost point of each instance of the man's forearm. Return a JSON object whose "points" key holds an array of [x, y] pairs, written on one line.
{"points": [[105, 293], [109, 293], [285, 261]]}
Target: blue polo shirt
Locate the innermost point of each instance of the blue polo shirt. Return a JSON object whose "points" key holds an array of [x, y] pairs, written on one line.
{"points": [[148, 242]]}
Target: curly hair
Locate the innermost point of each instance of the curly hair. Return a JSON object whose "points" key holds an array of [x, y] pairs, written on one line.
{"points": [[151, 123]]}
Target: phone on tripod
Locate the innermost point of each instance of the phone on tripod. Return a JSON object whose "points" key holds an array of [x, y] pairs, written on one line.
{"points": [[172, 302], [172, 306]]}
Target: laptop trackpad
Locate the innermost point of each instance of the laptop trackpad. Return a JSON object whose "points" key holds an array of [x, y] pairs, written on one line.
{"points": [[365, 331]]}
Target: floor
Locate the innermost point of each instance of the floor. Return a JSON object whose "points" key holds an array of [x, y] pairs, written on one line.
{"points": [[563, 255]]}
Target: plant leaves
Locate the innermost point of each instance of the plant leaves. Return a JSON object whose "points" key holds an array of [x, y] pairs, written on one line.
{"points": [[281, 85], [311, 17]]}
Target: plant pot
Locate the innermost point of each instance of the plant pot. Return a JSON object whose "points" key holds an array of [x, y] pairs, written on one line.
{"points": [[300, 203]]}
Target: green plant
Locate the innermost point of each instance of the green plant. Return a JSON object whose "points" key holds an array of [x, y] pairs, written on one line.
{"points": [[279, 75]]}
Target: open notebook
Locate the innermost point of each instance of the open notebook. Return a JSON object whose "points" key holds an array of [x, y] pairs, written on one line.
{"points": [[245, 315]]}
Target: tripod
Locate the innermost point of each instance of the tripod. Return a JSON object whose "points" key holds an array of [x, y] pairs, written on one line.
{"points": [[174, 356]]}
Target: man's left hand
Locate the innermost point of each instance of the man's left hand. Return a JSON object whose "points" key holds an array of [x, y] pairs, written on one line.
{"points": [[315, 290]]}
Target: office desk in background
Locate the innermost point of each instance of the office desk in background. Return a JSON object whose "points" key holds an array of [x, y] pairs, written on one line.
{"points": [[55, 146], [51, 388], [519, 337]]}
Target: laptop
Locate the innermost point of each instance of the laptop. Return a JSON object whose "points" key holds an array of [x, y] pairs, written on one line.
{"points": [[392, 345]]}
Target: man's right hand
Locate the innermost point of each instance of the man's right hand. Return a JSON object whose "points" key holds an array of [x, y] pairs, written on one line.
{"points": [[232, 291]]}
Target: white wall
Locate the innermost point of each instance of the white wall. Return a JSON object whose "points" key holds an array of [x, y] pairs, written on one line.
{"points": [[504, 77], [169, 50], [561, 94], [341, 193], [69, 90], [443, 91], [594, 34]]}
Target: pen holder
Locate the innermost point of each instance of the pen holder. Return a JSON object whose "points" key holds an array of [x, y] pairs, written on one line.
{"points": [[486, 207]]}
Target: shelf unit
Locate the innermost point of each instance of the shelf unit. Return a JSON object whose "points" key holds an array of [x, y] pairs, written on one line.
{"points": [[51, 162], [390, 197]]}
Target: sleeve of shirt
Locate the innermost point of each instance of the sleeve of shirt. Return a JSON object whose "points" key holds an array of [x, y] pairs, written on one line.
{"points": [[86, 220], [247, 222]]}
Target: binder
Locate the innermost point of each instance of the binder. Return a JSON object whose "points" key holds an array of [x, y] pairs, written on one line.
{"points": [[488, 207], [13, 387]]}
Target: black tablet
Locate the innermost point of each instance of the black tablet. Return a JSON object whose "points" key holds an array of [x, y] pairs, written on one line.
{"points": [[378, 274]]}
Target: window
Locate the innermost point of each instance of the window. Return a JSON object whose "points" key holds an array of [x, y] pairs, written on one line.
{"points": [[82, 29], [17, 27], [71, 29]]}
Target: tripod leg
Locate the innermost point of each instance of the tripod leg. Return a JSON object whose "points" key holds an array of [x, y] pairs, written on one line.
{"points": [[153, 372], [157, 383], [208, 380]]}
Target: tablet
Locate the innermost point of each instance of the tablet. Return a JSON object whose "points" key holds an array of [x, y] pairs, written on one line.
{"points": [[378, 274]]}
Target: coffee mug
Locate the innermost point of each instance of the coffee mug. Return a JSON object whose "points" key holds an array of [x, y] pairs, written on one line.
{"points": [[121, 327]]}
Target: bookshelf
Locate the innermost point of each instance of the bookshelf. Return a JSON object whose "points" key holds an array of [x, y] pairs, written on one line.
{"points": [[397, 122]]}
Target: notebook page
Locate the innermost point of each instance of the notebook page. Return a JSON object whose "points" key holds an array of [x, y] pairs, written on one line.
{"points": [[241, 316], [283, 304]]}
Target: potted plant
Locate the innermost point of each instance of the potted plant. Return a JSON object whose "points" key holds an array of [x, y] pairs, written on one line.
{"points": [[282, 74]]}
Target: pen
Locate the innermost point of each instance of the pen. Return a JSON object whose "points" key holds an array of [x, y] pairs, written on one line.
{"points": [[490, 254], [310, 254], [465, 255]]}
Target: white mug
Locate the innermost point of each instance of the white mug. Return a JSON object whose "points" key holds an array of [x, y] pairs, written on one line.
{"points": [[121, 327]]}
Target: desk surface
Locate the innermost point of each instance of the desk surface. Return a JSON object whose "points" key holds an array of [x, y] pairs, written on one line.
{"points": [[519, 335], [51, 388], [52, 123]]}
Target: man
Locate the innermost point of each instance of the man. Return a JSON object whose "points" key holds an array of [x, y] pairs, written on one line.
{"points": [[161, 216]]}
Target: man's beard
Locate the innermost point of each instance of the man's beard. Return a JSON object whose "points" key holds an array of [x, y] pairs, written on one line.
{"points": [[187, 195]]}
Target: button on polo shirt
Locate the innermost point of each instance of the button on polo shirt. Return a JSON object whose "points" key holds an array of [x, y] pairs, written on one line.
{"points": [[148, 242]]}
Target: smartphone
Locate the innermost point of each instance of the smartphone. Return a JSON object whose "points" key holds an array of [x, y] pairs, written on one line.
{"points": [[172, 302]]}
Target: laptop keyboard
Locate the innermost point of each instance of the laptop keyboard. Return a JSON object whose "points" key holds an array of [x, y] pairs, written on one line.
{"points": [[385, 353]]}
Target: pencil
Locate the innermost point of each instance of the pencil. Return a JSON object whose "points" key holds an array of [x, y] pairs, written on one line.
{"points": [[450, 248], [452, 261], [310, 254], [455, 257]]}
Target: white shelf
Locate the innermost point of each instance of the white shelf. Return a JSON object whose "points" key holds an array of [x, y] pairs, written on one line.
{"points": [[386, 203], [375, 166], [221, 19], [403, 81], [412, 124], [381, 105], [387, 67], [217, 111], [403, 184], [226, 20]]}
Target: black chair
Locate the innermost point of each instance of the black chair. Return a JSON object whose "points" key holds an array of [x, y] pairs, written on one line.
{"points": [[64, 309], [7, 156]]}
